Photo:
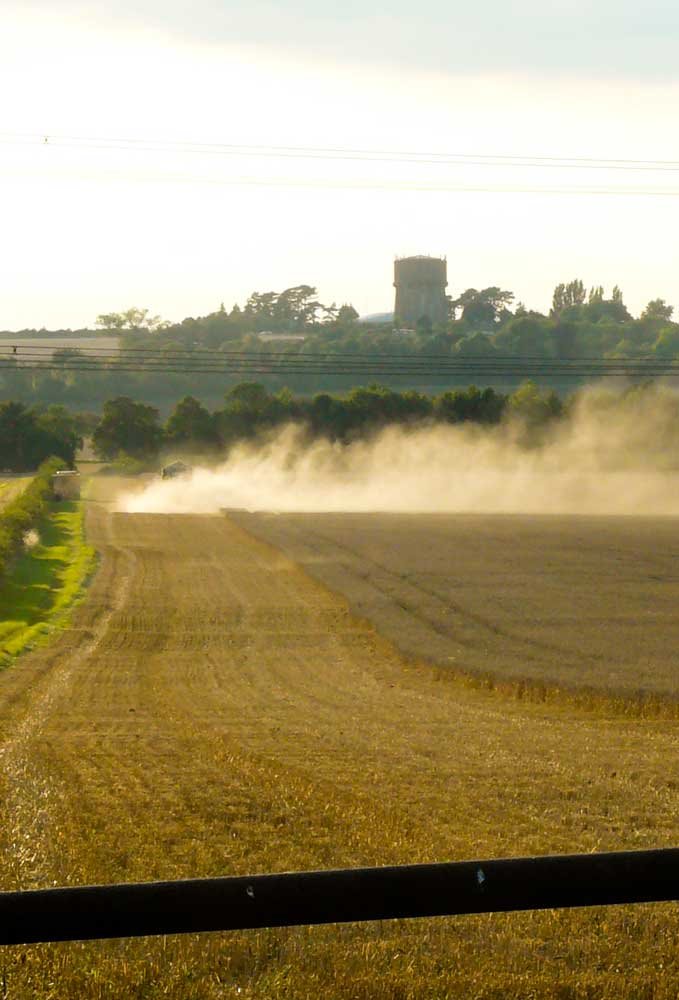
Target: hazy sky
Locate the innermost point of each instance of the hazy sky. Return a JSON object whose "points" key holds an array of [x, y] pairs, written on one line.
{"points": [[91, 227]]}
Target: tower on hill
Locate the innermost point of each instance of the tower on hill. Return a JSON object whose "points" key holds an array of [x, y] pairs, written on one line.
{"points": [[420, 284]]}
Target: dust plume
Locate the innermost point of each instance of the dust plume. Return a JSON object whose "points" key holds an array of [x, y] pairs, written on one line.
{"points": [[612, 454]]}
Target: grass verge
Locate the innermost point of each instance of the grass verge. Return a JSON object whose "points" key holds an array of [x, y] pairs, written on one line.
{"points": [[45, 582]]}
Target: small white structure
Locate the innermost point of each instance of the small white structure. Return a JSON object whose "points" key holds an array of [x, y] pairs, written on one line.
{"points": [[284, 338], [66, 485]]}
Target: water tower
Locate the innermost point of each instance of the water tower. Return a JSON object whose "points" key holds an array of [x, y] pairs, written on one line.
{"points": [[420, 284]]}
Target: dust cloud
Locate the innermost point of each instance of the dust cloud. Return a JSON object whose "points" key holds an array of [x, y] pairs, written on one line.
{"points": [[612, 454]]}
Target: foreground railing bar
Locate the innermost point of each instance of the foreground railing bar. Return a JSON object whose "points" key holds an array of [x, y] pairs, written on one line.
{"points": [[322, 897]]}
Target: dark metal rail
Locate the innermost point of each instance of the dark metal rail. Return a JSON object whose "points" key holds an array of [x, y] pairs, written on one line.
{"points": [[323, 897]]}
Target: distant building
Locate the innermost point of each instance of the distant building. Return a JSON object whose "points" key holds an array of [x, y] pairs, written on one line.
{"points": [[375, 318], [420, 284], [291, 338]]}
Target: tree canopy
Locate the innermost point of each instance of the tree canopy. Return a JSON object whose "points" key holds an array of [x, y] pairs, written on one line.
{"points": [[29, 436], [583, 323], [128, 427]]}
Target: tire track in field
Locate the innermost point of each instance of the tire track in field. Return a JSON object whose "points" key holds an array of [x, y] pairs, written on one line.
{"points": [[536, 607], [445, 617], [177, 736]]}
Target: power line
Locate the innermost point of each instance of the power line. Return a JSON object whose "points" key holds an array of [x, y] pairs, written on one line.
{"points": [[143, 360], [339, 153], [40, 350], [373, 371]]}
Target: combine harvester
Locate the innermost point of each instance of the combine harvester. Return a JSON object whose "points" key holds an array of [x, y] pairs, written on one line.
{"points": [[175, 469]]}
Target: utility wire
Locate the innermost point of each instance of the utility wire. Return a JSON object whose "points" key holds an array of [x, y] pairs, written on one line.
{"points": [[451, 364], [374, 371], [400, 186], [39, 351], [433, 373], [338, 153], [35, 358]]}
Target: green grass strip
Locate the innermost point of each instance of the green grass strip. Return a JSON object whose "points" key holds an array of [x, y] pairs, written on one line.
{"points": [[45, 582]]}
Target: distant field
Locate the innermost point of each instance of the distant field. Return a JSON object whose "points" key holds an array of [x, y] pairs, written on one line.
{"points": [[57, 344], [11, 487], [570, 601]]}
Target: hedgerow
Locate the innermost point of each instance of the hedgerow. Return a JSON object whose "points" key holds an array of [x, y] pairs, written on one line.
{"points": [[25, 511]]}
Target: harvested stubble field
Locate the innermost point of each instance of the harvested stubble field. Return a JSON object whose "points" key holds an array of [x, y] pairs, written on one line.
{"points": [[570, 602], [214, 710]]}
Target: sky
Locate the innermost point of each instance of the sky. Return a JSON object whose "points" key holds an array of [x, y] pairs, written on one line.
{"points": [[163, 182]]}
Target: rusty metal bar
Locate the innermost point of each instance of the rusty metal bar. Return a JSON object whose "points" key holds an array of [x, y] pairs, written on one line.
{"points": [[323, 897]]}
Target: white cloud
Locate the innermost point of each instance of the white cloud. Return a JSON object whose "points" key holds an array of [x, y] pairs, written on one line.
{"points": [[605, 38]]}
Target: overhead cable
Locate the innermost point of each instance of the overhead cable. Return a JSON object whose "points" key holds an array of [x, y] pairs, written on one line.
{"points": [[148, 144]]}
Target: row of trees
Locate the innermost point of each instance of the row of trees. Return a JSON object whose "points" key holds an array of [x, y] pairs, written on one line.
{"points": [[294, 310], [134, 429], [298, 310], [483, 323], [30, 436]]}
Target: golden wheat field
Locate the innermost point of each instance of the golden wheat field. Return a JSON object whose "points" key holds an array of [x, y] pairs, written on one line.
{"points": [[213, 709]]}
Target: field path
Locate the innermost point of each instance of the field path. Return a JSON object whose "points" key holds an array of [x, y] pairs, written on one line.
{"points": [[213, 710]]}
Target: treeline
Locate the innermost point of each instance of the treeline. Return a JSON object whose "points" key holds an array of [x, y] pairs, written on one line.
{"points": [[130, 429], [25, 511], [28, 436], [582, 322], [486, 323]]}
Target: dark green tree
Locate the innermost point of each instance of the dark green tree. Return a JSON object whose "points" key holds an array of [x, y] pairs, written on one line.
{"points": [[127, 427], [17, 436], [64, 428], [536, 408], [479, 345], [657, 310], [667, 343], [526, 335], [190, 424], [28, 437], [471, 404], [346, 315], [482, 309], [246, 411], [131, 319], [567, 296]]}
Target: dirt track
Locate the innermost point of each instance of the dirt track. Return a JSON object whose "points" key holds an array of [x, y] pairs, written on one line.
{"points": [[213, 710]]}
